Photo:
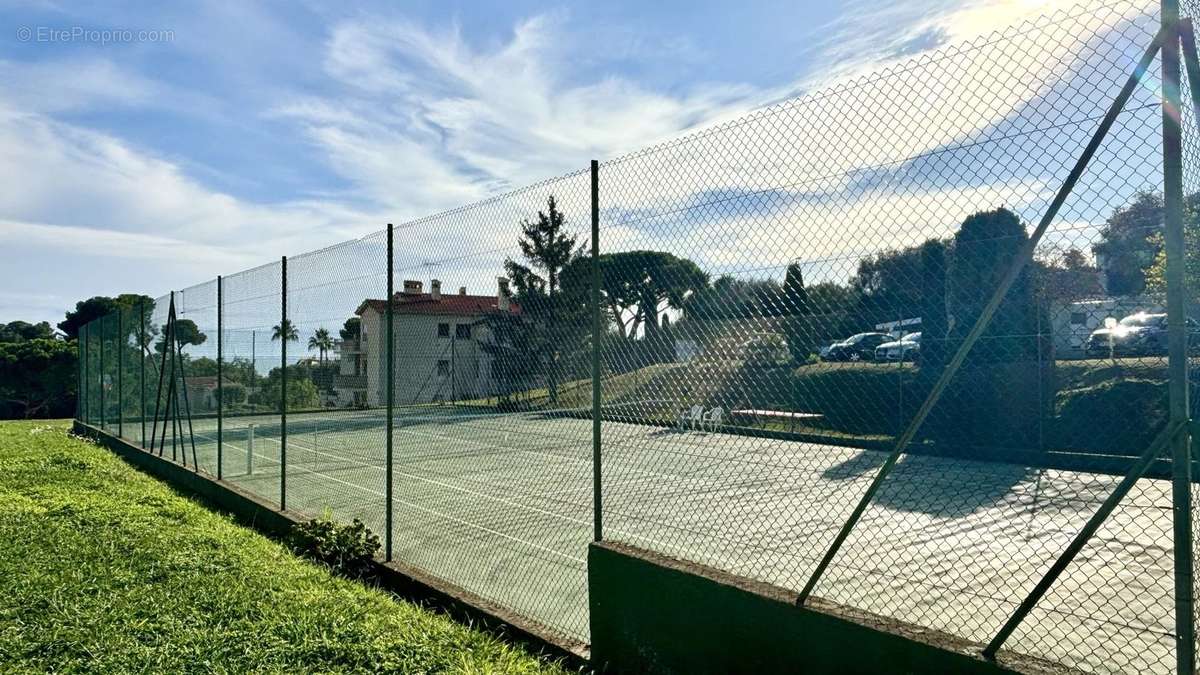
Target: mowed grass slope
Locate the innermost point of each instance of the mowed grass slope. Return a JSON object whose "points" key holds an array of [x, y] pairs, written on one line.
{"points": [[103, 568]]}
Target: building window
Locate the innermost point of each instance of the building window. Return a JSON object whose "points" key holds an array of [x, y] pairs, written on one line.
{"points": [[443, 368], [443, 330], [1078, 319], [462, 331]]}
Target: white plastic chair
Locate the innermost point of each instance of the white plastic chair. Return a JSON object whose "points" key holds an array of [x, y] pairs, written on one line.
{"points": [[713, 418], [692, 416]]}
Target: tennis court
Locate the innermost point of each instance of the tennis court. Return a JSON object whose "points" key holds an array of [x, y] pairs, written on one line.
{"points": [[500, 504]]}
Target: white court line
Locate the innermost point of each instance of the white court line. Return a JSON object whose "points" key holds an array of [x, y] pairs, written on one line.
{"points": [[517, 505], [503, 535], [419, 507], [469, 491], [641, 537], [528, 452]]}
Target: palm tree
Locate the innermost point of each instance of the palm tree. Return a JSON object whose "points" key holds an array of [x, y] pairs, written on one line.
{"points": [[287, 331], [321, 341]]}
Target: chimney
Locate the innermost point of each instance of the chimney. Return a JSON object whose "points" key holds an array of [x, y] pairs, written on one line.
{"points": [[502, 294], [435, 289], [412, 287], [462, 290]]}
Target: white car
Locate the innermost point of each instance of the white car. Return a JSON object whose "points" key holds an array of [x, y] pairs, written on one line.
{"points": [[904, 349]]}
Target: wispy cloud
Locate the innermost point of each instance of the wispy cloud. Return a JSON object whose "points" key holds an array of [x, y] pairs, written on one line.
{"points": [[416, 117], [466, 121]]}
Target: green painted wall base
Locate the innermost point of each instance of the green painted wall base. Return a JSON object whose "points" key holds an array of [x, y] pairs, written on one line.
{"points": [[652, 614]]}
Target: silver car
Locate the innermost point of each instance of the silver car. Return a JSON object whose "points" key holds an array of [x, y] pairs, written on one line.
{"points": [[904, 349]]}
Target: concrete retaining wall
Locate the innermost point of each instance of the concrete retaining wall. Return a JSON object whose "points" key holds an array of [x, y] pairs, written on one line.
{"points": [[652, 614]]}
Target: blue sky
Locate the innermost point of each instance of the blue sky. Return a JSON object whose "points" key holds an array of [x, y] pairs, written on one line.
{"points": [[243, 130]]}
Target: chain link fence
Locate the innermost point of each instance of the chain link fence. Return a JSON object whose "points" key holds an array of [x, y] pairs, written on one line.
{"points": [[900, 345]]}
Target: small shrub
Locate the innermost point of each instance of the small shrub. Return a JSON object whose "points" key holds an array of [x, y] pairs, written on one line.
{"points": [[346, 549]]}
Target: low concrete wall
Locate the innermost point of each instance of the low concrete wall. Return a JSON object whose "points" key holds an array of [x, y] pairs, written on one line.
{"points": [[652, 614], [401, 579]]}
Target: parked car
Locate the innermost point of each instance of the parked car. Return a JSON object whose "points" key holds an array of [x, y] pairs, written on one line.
{"points": [[904, 349], [1140, 334], [860, 347]]}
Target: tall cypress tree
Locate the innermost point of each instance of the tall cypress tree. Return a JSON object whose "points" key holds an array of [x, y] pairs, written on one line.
{"points": [[547, 248]]}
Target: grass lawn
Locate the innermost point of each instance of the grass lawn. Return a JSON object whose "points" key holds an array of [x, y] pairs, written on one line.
{"points": [[103, 568]]}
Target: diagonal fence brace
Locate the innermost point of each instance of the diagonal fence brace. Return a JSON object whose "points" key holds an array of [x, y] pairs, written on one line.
{"points": [[985, 317], [1081, 538]]}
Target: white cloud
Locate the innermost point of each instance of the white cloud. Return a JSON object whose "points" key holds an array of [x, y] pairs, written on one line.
{"points": [[463, 122], [418, 120], [62, 86]]}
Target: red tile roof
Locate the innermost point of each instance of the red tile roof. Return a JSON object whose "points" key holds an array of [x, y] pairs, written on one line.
{"points": [[456, 305]]}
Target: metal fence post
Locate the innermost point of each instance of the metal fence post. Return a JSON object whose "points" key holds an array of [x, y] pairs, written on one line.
{"points": [[283, 340], [220, 383], [102, 416], [142, 368], [391, 392], [1177, 339], [120, 343], [597, 335], [83, 383]]}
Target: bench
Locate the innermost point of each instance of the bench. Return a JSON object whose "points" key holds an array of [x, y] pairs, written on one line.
{"points": [[793, 418]]}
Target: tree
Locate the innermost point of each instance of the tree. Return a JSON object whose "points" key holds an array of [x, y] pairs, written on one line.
{"points": [[1127, 245], [984, 248], [201, 367], [547, 249], [1074, 259], [301, 394], [233, 394], [511, 342], [321, 341], [352, 329], [828, 297], [37, 378], [95, 307], [996, 393], [1156, 273], [638, 286], [1065, 276], [240, 370], [186, 333], [85, 312], [286, 332], [731, 298], [795, 297], [890, 284], [21, 331]]}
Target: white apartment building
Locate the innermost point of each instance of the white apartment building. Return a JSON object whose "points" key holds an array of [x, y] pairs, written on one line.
{"points": [[437, 341]]}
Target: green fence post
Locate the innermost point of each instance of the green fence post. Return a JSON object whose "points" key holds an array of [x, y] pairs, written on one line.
{"points": [[391, 393], [120, 343], [1177, 339], [220, 383], [283, 340], [597, 334], [142, 366], [102, 416], [81, 367]]}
